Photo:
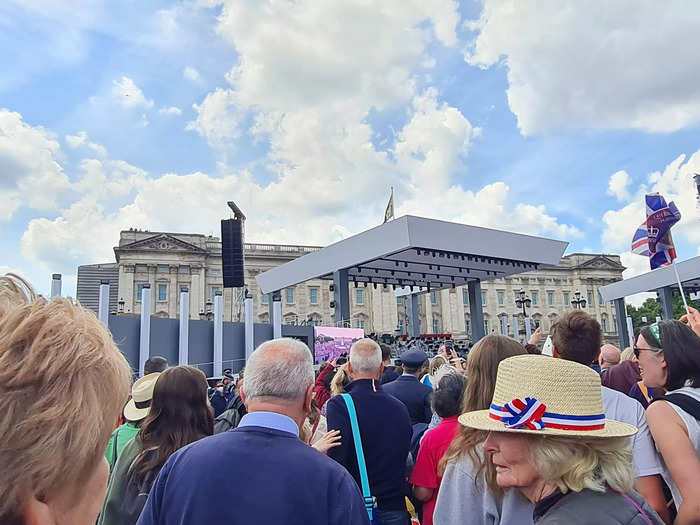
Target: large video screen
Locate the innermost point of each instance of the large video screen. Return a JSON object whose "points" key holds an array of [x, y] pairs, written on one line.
{"points": [[331, 342]]}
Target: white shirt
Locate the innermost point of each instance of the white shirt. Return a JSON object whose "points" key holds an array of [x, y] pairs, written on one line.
{"points": [[620, 407]]}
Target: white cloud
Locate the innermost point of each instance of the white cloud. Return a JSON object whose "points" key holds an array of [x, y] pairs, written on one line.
{"points": [[191, 74], [129, 95], [618, 185], [30, 173], [171, 111], [294, 55], [624, 64], [81, 139], [217, 118]]}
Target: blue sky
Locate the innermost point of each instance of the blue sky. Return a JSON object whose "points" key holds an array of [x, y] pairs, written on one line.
{"points": [[512, 115]]}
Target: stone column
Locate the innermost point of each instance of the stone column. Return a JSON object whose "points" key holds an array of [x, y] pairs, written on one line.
{"points": [[172, 293]]}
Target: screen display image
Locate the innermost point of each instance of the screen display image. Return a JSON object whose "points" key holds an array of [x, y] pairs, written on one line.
{"points": [[331, 342]]}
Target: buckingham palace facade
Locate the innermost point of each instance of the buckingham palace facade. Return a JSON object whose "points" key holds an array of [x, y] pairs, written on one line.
{"points": [[169, 261]]}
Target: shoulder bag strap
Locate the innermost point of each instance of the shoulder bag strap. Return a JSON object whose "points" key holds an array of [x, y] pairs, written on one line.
{"points": [[362, 467], [114, 449], [687, 403]]}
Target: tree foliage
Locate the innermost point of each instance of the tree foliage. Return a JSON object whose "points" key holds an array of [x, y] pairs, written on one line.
{"points": [[651, 309]]}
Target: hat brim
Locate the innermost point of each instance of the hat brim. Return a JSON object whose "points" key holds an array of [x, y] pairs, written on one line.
{"points": [[480, 420], [135, 414]]}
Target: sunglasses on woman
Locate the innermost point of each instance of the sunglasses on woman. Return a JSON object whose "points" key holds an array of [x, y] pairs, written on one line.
{"points": [[637, 349]]}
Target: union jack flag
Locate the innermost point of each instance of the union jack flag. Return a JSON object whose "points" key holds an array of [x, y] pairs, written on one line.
{"points": [[653, 237]]}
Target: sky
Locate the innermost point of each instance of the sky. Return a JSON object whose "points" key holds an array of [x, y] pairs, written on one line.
{"points": [[546, 117]]}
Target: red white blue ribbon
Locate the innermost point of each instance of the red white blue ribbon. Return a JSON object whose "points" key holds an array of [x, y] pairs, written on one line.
{"points": [[528, 413]]}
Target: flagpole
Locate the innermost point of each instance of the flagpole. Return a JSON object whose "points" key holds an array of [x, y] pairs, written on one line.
{"points": [[680, 286]]}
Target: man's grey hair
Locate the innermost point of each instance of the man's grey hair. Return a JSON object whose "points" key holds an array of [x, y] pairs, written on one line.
{"points": [[365, 357], [280, 368]]}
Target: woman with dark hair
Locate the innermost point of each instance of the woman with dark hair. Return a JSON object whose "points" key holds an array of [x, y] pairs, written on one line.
{"points": [[180, 414], [446, 401], [669, 358]]}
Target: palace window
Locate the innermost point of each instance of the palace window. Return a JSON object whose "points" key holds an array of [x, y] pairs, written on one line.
{"points": [[162, 292], [289, 295], [550, 298], [433, 297], [313, 295], [359, 296], [500, 298]]}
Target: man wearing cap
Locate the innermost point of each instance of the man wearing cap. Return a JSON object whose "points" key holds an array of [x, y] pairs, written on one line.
{"points": [[135, 411], [409, 390]]}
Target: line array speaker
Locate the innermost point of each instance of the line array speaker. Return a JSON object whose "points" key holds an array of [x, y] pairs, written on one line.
{"points": [[232, 252]]}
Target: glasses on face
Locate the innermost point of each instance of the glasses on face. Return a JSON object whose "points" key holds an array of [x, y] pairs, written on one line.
{"points": [[637, 349]]}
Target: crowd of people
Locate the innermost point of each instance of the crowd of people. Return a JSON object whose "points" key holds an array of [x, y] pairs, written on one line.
{"points": [[591, 435]]}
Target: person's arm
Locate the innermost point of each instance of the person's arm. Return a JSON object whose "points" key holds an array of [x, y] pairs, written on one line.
{"points": [[693, 319], [423, 493], [424, 477], [322, 376], [337, 419], [650, 488], [428, 409], [671, 437], [349, 508]]}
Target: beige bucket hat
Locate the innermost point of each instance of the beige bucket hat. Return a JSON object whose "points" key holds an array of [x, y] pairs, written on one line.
{"points": [[141, 395], [542, 395]]}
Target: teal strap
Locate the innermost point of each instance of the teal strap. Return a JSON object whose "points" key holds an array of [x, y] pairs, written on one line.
{"points": [[362, 467]]}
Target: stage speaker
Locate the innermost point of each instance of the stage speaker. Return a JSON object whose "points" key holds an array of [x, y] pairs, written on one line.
{"points": [[232, 252]]}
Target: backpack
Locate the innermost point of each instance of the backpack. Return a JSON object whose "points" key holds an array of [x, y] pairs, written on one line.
{"points": [[228, 420]]}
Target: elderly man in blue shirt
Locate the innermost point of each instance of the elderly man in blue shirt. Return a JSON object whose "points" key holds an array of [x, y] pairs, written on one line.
{"points": [[261, 472]]}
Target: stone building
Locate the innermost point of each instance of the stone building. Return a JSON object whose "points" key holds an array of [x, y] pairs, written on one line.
{"points": [[168, 261]]}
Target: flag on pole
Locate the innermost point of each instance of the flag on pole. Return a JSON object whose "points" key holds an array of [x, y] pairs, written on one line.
{"points": [[389, 213], [653, 237]]}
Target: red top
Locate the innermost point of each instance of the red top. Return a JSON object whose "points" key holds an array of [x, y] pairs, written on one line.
{"points": [[434, 445], [321, 394]]}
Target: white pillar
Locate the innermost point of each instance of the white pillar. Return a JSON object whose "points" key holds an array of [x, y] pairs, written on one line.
{"points": [[516, 327], [56, 285], [276, 317], [630, 331], [528, 329], [145, 335], [184, 348], [249, 340], [103, 302], [218, 334]]}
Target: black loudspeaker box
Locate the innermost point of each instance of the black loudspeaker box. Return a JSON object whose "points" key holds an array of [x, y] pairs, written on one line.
{"points": [[232, 253]]}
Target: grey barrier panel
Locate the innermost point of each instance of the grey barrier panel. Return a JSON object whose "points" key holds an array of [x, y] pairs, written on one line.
{"points": [[261, 333], [202, 345], [126, 333], [165, 339], [234, 346]]}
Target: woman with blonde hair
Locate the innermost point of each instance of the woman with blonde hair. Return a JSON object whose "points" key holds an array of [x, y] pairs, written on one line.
{"points": [[63, 384], [437, 362], [468, 486], [341, 379], [549, 441]]}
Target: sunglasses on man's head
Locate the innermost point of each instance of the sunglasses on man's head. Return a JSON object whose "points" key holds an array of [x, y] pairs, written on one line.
{"points": [[636, 350]]}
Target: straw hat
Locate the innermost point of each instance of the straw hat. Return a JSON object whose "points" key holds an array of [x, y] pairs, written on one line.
{"points": [[141, 394], [543, 395]]}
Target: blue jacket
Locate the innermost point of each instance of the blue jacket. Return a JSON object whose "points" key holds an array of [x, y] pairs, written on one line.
{"points": [[253, 476], [415, 395], [388, 376], [385, 430]]}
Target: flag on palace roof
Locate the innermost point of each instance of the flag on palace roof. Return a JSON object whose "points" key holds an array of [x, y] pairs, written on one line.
{"points": [[389, 213]]}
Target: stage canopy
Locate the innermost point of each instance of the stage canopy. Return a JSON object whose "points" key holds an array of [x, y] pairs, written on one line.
{"points": [[688, 271], [424, 253], [419, 254]]}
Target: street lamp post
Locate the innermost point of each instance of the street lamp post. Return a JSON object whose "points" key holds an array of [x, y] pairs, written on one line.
{"points": [[523, 301], [120, 306], [578, 301], [209, 311]]}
